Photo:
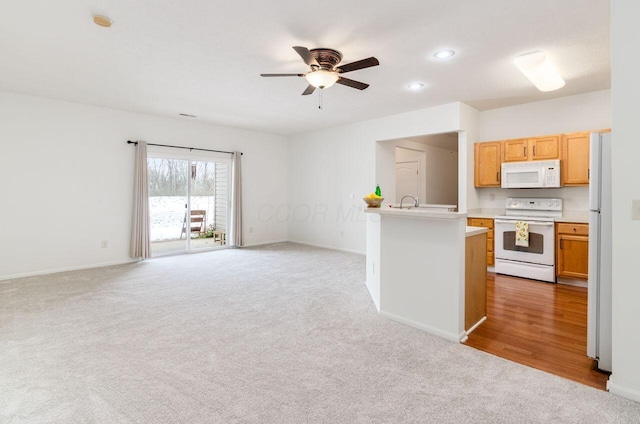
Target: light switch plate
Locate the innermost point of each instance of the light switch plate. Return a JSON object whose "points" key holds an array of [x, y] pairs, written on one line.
{"points": [[635, 209]]}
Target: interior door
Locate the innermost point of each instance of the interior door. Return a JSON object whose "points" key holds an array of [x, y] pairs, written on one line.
{"points": [[407, 180]]}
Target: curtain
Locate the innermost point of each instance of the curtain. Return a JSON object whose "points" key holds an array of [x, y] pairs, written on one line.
{"points": [[140, 243], [236, 201]]}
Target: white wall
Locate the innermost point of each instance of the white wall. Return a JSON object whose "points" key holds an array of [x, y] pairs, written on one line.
{"points": [[470, 121], [583, 112], [411, 152], [331, 170], [66, 177], [442, 176], [625, 379]]}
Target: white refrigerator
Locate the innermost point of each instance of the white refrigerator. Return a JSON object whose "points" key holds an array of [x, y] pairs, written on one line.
{"points": [[599, 288]]}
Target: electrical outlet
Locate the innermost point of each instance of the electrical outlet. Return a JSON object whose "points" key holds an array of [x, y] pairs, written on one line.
{"points": [[635, 210], [105, 244], [492, 197], [341, 233], [251, 229]]}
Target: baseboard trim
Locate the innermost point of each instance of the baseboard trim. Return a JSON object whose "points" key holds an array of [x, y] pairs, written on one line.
{"points": [[65, 269], [473, 327], [263, 243], [456, 338], [322, 246], [572, 282], [622, 391]]}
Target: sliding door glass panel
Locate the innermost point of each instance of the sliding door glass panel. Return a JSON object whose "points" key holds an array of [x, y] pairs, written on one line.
{"points": [[168, 199], [209, 200]]}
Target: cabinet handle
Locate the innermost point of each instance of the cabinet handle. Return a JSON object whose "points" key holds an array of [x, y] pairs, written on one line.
{"points": [[498, 176], [525, 151], [588, 173], [561, 243], [534, 151]]}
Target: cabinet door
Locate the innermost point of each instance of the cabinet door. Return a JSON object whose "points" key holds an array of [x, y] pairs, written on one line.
{"points": [[545, 148], [573, 256], [515, 150], [487, 164], [487, 223], [575, 159]]}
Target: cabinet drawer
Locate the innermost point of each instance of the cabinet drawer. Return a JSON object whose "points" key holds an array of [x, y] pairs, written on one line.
{"points": [[577, 229], [481, 222], [489, 245], [489, 258]]}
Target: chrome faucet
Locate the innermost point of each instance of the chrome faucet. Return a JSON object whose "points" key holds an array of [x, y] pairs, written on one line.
{"points": [[415, 200]]}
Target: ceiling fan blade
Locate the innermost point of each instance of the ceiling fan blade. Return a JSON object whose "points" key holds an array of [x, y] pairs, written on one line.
{"points": [[306, 55], [310, 89], [351, 83], [281, 75], [361, 64]]}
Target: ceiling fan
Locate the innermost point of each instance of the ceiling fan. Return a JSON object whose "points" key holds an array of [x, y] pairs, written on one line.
{"points": [[324, 70]]}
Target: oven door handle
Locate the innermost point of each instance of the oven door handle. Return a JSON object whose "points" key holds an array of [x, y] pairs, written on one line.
{"points": [[543, 224]]}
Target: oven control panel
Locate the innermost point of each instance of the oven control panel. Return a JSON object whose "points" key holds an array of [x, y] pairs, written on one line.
{"points": [[534, 204]]}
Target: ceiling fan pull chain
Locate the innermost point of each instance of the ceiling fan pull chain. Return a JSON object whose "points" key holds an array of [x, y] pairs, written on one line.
{"points": [[320, 97]]}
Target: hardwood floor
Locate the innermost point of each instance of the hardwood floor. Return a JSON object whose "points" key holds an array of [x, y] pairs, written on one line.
{"points": [[538, 324]]}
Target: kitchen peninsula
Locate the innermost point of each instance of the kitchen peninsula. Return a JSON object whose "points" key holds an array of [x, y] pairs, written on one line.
{"points": [[416, 268]]}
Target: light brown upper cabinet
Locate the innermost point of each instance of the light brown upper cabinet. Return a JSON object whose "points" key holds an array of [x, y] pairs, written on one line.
{"points": [[487, 161], [575, 159], [515, 150], [526, 149]]}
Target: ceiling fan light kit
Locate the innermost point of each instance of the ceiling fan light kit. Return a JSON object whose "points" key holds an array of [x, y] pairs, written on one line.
{"points": [[321, 78], [324, 70], [538, 68]]}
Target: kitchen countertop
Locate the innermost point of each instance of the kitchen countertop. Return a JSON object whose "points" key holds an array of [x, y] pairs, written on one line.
{"points": [[578, 217], [484, 213], [416, 213], [474, 231]]}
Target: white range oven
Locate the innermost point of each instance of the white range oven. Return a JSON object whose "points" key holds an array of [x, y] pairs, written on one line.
{"points": [[536, 258]]}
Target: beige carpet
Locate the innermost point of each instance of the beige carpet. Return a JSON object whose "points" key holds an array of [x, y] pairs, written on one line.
{"points": [[275, 334]]}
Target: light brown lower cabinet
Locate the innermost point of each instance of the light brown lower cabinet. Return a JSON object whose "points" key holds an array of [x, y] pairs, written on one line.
{"points": [[486, 223], [475, 292], [572, 250]]}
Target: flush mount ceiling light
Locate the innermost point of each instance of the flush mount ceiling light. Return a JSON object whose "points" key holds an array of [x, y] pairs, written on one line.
{"points": [[102, 21], [444, 54], [322, 78], [540, 71], [415, 86]]}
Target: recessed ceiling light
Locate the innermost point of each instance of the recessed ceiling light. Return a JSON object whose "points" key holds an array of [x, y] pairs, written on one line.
{"points": [[444, 54], [538, 68], [103, 21], [415, 86]]}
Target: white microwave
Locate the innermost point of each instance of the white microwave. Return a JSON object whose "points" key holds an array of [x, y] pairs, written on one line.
{"points": [[533, 174]]}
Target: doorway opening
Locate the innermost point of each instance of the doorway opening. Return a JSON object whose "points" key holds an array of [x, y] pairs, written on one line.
{"points": [[189, 200], [425, 167]]}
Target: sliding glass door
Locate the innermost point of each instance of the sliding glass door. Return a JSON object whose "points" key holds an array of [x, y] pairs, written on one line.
{"points": [[188, 202], [209, 204]]}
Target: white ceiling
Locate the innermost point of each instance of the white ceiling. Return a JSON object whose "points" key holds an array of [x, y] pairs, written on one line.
{"points": [[204, 58]]}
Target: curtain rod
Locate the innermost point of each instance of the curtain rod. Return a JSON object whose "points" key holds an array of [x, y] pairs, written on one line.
{"points": [[182, 147]]}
